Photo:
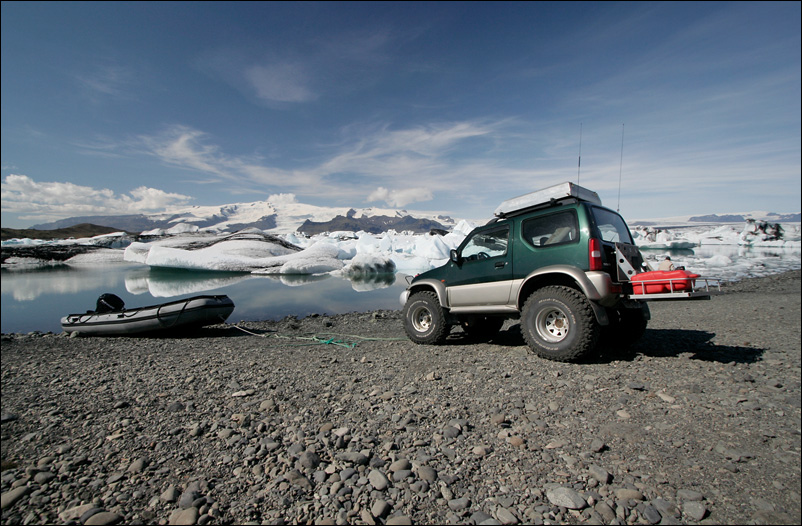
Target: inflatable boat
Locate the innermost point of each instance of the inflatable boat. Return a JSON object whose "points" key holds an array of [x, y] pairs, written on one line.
{"points": [[663, 281], [197, 311]]}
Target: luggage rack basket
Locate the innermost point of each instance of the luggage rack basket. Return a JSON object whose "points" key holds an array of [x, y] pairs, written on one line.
{"points": [[679, 288], [702, 289]]}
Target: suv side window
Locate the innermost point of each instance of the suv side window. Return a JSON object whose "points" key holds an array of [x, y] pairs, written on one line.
{"points": [[611, 226], [487, 244], [551, 230]]}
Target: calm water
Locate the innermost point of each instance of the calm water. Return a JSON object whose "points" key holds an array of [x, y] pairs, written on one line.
{"points": [[35, 300]]}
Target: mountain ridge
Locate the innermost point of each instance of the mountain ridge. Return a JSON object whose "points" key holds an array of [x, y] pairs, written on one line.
{"points": [[288, 216], [75, 231], [274, 218]]}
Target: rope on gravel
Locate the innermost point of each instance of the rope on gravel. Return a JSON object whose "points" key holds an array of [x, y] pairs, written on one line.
{"points": [[326, 338]]}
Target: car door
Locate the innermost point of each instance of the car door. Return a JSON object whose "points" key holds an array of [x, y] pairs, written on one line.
{"points": [[484, 272]]}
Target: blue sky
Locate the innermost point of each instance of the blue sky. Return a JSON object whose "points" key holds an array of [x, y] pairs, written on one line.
{"points": [[128, 107]]}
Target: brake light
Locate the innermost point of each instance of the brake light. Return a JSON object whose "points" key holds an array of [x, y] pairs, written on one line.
{"points": [[594, 254]]}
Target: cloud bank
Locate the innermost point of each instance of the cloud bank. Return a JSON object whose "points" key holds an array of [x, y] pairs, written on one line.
{"points": [[48, 201]]}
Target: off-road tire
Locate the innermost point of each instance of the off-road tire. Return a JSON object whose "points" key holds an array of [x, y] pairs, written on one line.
{"points": [[481, 328], [558, 324], [424, 319]]}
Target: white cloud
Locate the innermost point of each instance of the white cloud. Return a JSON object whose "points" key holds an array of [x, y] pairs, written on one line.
{"points": [[284, 199], [149, 199], [280, 82], [400, 198], [53, 200]]}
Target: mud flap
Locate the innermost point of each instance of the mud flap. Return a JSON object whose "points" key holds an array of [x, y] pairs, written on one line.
{"points": [[600, 313]]}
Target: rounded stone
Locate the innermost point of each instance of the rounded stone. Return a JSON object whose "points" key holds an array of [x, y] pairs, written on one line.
{"points": [[567, 498]]}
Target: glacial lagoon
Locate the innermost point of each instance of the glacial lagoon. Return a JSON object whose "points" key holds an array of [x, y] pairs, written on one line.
{"points": [[36, 299]]}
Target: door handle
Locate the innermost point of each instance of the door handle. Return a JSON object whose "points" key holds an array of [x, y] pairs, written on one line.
{"points": [[500, 264]]}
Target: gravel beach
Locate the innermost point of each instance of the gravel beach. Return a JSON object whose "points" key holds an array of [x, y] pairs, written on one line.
{"points": [[342, 420]]}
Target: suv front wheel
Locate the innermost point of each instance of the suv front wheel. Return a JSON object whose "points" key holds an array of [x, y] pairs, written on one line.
{"points": [[424, 319], [558, 324]]}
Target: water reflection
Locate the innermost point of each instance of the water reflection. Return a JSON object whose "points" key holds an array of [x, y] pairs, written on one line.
{"points": [[35, 300], [686, 252], [167, 283], [30, 284]]}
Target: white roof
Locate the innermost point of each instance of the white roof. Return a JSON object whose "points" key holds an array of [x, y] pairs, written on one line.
{"points": [[543, 196]]}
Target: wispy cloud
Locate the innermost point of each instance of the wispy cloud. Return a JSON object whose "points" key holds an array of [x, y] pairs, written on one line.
{"points": [[399, 162], [183, 146], [108, 81], [282, 82], [301, 71]]}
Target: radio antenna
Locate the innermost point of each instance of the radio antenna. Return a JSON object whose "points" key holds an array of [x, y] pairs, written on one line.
{"points": [[579, 160], [620, 166]]}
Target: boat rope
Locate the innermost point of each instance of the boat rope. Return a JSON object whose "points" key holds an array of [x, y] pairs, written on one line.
{"points": [[326, 338], [163, 323]]}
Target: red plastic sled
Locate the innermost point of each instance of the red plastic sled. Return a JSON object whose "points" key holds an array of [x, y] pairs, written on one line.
{"points": [[661, 281]]}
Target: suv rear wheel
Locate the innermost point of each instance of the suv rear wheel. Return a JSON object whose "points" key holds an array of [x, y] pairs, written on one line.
{"points": [[424, 319], [558, 324]]}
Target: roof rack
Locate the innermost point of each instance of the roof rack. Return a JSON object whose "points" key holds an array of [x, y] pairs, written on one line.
{"points": [[546, 196]]}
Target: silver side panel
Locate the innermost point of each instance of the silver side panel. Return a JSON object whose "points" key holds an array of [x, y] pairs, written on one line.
{"points": [[597, 286], [486, 309], [480, 294]]}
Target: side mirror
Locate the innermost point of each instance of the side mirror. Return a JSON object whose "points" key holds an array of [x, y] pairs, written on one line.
{"points": [[454, 256]]}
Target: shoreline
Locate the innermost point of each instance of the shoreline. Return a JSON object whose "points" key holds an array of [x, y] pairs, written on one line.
{"points": [[726, 285], [699, 423]]}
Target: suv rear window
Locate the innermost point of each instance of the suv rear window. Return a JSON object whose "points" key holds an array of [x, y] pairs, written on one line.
{"points": [[611, 226], [551, 230]]}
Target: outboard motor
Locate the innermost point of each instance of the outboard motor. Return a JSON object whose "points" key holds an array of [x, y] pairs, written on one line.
{"points": [[109, 303]]}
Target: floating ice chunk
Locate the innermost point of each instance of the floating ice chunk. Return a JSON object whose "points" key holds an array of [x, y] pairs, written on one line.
{"points": [[317, 259], [370, 244], [649, 238], [431, 247], [182, 228], [137, 252], [345, 249], [366, 265], [718, 261], [463, 228], [103, 255], [411, 264]]}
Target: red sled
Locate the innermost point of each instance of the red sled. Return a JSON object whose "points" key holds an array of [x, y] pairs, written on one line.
{"points": [[661, 281]]}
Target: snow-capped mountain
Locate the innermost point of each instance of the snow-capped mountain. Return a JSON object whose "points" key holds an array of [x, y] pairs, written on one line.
{"points": [[287, 215], [272, 217], [712, 219]]}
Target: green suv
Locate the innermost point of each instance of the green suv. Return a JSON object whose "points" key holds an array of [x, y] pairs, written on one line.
{"points": [[555, 258]]}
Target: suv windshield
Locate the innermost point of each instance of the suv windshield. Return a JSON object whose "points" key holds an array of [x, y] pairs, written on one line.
{"points": [[611, 226]]}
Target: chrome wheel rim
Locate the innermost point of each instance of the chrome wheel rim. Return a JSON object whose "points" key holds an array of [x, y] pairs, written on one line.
{"points": [[552, 325], [422, 319]]}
